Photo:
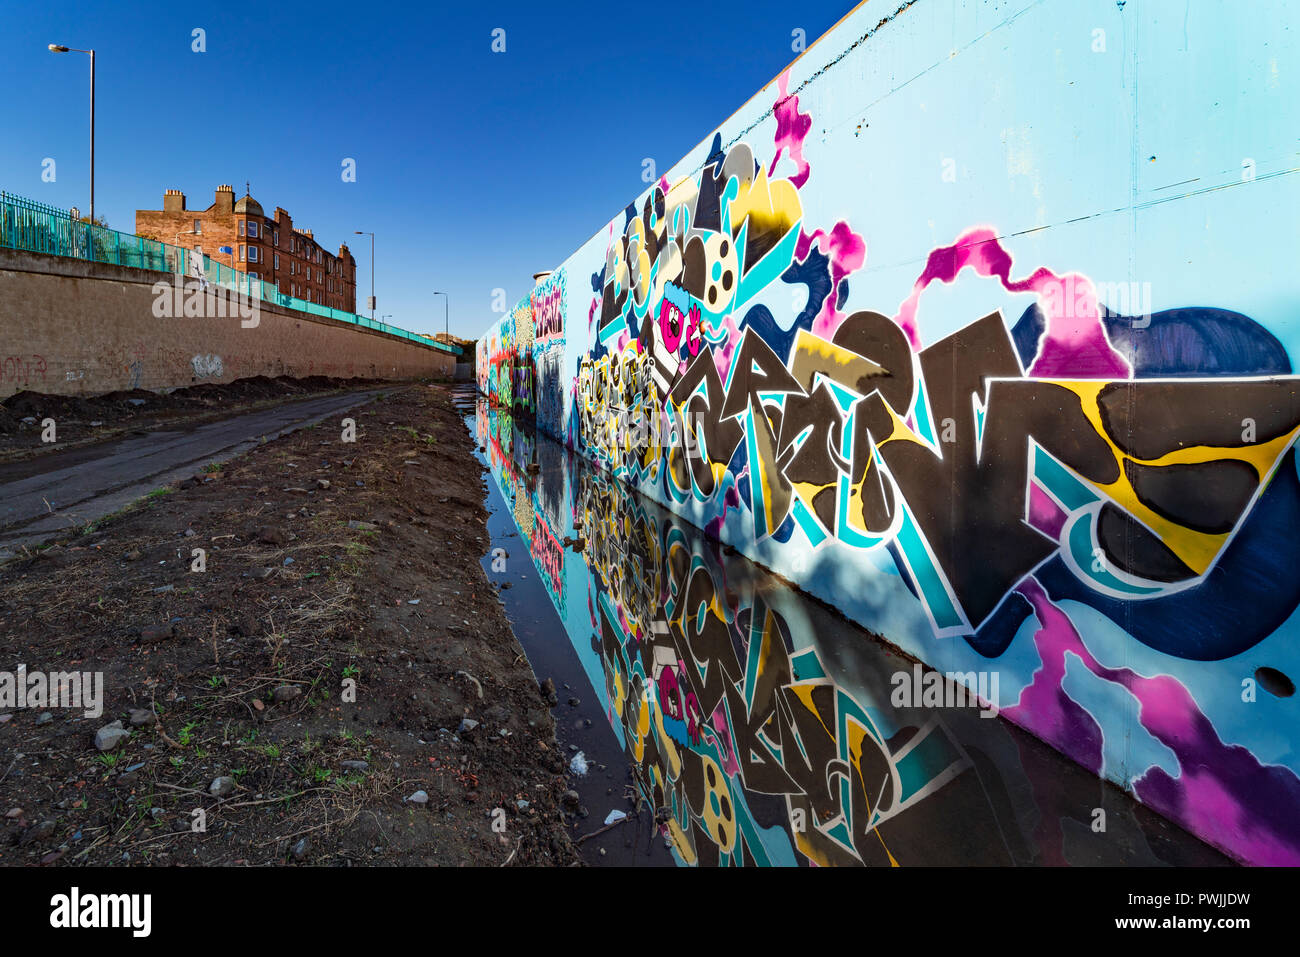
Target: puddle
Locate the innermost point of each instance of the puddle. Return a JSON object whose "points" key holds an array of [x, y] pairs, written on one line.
{"points": [[749, 723]]}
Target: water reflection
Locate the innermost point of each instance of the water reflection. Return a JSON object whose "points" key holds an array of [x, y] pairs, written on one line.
{"points": [[762, 727]]}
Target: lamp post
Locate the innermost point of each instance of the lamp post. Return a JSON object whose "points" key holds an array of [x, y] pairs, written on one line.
{"points": [[176, 241], [56, 48], [446, 315], [361, 232]]}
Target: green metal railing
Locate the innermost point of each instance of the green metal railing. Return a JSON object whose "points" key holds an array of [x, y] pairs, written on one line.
{"points": [[35, 227]]}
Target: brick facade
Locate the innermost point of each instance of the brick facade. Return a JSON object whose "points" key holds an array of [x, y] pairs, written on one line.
{"points": [[269, 247]]}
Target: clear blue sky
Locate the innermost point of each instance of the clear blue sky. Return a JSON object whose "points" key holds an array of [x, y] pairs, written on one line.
{"points": [[474, 169]]}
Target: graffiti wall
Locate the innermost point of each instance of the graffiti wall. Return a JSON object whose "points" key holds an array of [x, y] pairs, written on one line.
{"points": [[976, 323]]}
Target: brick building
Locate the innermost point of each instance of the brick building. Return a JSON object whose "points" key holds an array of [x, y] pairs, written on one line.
{"points": [[269, 248]]}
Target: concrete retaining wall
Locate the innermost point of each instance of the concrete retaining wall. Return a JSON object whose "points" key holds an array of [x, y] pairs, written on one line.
{"points": [[73, 327]]}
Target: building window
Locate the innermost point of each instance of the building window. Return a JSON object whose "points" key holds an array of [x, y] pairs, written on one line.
{"points": [[252, 230], [277, 237], [277, 261], [241, 227], [198, 226], [252, 254], [241, 252]]}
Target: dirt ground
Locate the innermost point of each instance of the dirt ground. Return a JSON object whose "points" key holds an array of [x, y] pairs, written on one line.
{"points": [[341, 652], [84, 419]]}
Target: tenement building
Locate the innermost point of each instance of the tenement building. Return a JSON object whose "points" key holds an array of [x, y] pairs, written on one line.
{"points": [[269, 248]]}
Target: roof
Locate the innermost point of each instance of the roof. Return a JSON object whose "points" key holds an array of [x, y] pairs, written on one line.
{"points": [[249, 205]]}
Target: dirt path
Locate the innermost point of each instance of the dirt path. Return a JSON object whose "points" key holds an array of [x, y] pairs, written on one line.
{"points": [[341, 652], [66, 489]]}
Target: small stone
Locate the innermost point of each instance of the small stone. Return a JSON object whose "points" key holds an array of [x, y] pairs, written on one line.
{"points": [[134, 555], [322, 483], [110, 736], [286, 693], [521, 804], [288, 561], [257, 704], [38, 832], [363, 526], [221, 786], [355, 765], [151, 634], [419, 797], [466, 725], [190, 533], [161, 589], [44, 718], [570, 799], [14, 812], [269, 535], [300, 849], [141, 717]]}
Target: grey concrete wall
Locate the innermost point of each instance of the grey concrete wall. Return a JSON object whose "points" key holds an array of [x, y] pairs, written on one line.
{"points": [[69, 326]]}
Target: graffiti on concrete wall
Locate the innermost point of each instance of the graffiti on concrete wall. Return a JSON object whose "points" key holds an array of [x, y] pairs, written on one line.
{"points": [[23, 370], [1007, 460]]}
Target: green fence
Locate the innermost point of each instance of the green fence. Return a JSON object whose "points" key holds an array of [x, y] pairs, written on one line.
{"points": [[35, 227]]}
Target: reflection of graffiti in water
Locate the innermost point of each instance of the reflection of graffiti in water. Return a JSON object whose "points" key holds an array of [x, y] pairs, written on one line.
{"points": [[510, 454], [761, 729], [714, 705]]}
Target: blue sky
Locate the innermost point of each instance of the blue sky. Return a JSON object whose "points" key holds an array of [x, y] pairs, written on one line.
{"points": [[474, 169]]}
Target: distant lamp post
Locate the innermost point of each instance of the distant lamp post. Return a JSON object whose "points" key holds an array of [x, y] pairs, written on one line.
{"points": [[56, 48], [176, 241], [361, 232], [446, 315]]}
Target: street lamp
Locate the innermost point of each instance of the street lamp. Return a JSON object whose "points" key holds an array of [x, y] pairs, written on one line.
{"points": [[360, 232], [56, 48], [446, 315], [176, 241]]}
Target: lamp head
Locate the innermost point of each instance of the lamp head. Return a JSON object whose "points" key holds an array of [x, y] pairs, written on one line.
{"points": [[55, 48]]}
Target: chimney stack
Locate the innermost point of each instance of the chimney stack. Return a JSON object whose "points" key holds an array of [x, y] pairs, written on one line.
{"points": [[225, 199], [173, 201]]}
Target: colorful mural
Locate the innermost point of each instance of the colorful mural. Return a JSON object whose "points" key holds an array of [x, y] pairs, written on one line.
{"points": [[979, 443]]}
